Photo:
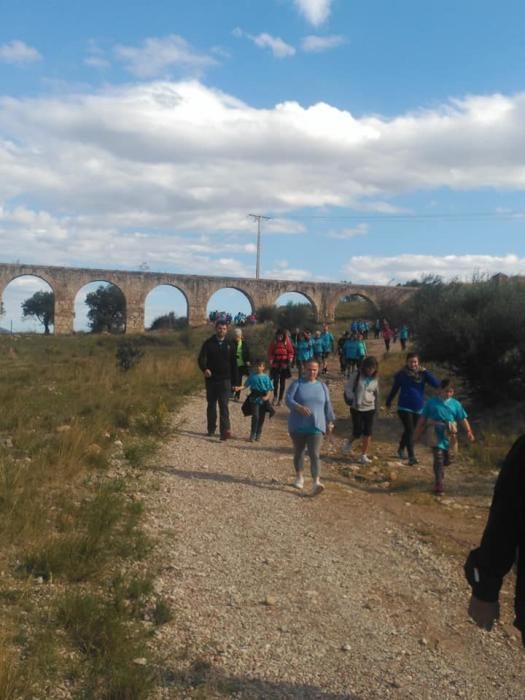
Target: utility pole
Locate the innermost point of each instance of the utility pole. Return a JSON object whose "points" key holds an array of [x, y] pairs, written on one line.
{"points": [[258, 218]]}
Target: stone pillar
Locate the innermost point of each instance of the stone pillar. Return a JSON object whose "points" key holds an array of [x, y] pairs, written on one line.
{"points": [[64, 311], [134, 318]]}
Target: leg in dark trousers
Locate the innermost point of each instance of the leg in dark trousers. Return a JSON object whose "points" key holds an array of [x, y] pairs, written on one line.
{"points": [[439, 469], [282, 385], [409, 421], [275, 375], [218, 392], [387, 344], [257, 410]]}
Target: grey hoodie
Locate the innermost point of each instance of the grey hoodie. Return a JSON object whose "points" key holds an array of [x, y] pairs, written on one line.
{"points": [[366, 395]]}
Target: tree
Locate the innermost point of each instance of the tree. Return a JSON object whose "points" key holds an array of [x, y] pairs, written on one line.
{"points": [[107, 310], [169, 322], [42, 307]]}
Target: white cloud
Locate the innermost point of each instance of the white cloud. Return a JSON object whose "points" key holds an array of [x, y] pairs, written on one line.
{"points": [[277, 46], [401, 268], [317, 44], [18, 52], [156, 55], [316, 12], [348, 233], [177, 160]]}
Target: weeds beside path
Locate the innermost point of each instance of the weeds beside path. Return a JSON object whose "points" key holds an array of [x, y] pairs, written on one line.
{"points": [[353, 594]]}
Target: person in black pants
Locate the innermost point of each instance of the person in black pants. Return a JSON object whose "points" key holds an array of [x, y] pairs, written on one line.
{"points": [[503, 538], [217, 362], [410, 382]]}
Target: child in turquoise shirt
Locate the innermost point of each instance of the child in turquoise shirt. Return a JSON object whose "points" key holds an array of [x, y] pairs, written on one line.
{"points": [[443, 413], [261, 386]]}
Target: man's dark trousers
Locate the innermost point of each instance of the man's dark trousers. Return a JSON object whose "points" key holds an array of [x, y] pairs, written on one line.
{"points": [[218, 391]]}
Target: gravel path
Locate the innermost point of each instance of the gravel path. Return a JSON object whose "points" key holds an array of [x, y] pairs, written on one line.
{"points": [[280, 595]]}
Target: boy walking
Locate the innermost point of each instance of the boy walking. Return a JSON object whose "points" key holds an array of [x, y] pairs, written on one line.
{"points": [[443, 413]]}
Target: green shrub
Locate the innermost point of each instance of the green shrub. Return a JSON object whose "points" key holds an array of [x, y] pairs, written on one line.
{"points": [[475, 329]]}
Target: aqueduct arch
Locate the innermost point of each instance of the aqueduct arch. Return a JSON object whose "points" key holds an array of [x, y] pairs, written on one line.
{"points": [[67, 281]]}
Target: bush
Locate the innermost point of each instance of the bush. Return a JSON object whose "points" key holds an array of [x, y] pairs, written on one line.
{"points": [[475, 330], [128, 354]]}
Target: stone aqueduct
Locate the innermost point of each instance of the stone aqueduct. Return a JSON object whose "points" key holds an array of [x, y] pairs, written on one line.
{"points": [[67, 281]]}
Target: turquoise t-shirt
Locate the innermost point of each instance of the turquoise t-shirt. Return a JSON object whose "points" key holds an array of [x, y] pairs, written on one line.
{"points": [[259, 382], [441, 412]]}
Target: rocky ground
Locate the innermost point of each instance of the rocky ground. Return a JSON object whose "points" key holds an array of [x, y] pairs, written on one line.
{"points": [[356, 593]]}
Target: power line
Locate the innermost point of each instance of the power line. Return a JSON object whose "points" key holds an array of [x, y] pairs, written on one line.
{"points": [[410, 217]]}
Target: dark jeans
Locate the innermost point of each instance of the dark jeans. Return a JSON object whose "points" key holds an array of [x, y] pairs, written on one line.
{"points": [[409, 421], [441, 460], [258, 416], [218, 391], [387, 344], [403, 343], [279, 377]]}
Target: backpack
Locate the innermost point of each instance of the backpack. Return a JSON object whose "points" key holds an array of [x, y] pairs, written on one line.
{"points": [[349, 400]]}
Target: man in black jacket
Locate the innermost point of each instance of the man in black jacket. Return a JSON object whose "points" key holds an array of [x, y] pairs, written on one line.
{"points": [[217, 362], [504, 535]]}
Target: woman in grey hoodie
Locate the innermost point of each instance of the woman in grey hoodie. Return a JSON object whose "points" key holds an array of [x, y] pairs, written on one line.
{"points": [[362, 395]]}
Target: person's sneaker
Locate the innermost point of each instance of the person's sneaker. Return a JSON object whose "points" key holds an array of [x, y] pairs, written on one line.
{"points": [[412, 462], [364, 459], [211, 433], [257, 437], [227, 435], [252, 437], [317, 488], [438, 488], [299, 481], [347, 447], [402, 453]]}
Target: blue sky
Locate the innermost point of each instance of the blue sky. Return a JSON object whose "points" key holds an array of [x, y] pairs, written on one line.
{"points": [[385, 140]]}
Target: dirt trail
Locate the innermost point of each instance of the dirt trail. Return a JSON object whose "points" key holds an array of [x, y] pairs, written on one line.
{"points": [[346, 595]]}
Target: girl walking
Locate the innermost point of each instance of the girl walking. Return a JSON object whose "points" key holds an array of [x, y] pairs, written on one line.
{"points": [[362, 394], [410, 383], [261, 387]]}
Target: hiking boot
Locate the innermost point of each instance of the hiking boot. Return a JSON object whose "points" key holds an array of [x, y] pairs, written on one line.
{"points": [[299, 481], [364, 459], [402, 453], [317, 488], [412, 462], [227, 435]]}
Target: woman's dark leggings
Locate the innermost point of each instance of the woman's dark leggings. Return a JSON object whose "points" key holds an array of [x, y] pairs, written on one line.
{"points": [[409, 421], [278, 377]]}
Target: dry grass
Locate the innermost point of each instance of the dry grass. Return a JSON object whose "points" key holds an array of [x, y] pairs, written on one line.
{"points": [[64, 519]]}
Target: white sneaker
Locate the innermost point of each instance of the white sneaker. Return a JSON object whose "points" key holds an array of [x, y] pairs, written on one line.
{"points": [[317, 488], [299, 481], [347, 447], [364, 459]]}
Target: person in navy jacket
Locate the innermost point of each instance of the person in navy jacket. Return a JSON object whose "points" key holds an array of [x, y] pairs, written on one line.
{"points": [[410, 383]]}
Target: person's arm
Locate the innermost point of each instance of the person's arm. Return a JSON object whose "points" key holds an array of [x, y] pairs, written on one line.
{"points": [[393, 391], [329, 412], [431, 379], [466, 426], [487, 565], [202, 360], [292, 404]]}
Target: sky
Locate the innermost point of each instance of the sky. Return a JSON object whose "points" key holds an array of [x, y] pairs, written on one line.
{"points": [[384, 141]]}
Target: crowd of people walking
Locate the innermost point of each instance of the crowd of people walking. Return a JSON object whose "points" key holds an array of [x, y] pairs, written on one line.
{"points": [[226, 362]]}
